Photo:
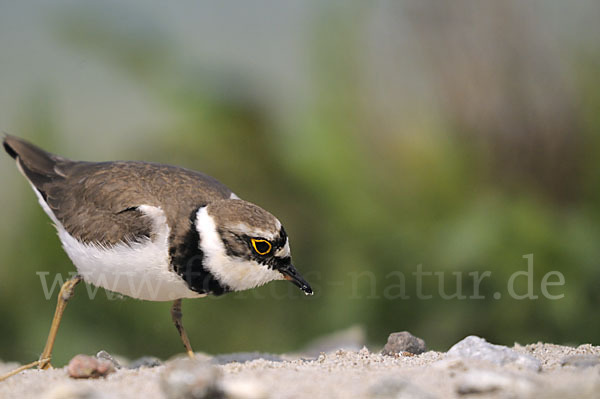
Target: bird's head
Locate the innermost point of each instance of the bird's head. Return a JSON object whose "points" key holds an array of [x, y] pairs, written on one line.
{"points": [[245, 246]]}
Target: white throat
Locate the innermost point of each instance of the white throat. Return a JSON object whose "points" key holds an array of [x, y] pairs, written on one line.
{"points": [[237, 273]]}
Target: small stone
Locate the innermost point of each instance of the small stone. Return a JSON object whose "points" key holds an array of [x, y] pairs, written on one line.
{"points": [[106, 356], [84, 366], [242, 388], [580, 361], [403, 342], [473, 347], [484, 381], [145, 361], [191, 379]]}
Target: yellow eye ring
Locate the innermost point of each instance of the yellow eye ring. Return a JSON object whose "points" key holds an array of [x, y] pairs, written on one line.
{"points": [[259, 242]]}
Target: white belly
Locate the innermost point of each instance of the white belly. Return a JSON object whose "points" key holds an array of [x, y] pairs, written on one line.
{"points": [[139, 270]]}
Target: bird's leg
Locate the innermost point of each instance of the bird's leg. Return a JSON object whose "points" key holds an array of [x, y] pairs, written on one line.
{"points": [[66, 293], [176, 315], [22, 368]]}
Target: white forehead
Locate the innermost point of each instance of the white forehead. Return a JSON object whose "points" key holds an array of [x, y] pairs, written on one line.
{"points": [[243, 228]]}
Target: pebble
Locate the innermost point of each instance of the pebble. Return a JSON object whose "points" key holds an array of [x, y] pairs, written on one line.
{"points": [[191, 379], [473, 347], [485, 381], [145, 361], [244, 388], [107, 356], [403, 342], [580, 361], [84, 366]]}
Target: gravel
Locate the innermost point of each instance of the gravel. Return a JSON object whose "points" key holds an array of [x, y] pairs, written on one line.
{"points": [[478, 348], [84, 366], [563, 372], [191, 379], [404, 341], [145, 361]]}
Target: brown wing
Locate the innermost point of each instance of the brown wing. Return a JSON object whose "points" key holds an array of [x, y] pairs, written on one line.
{"points": [[97, 202], [102, 197]]}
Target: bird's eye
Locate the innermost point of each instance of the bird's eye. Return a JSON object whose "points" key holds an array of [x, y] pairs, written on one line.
{"points": [[262, 247]]}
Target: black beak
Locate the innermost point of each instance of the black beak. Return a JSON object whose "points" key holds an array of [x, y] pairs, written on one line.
{"points": [[291, 274]]}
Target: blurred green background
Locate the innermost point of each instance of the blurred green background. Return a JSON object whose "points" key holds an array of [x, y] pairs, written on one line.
{"points": [[458, 136]]}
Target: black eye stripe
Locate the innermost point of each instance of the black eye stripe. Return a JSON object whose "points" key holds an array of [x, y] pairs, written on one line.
{"points": [[280, 241]]}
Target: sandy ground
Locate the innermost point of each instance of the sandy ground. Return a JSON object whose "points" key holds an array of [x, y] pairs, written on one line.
{"points": [[566, 372]]}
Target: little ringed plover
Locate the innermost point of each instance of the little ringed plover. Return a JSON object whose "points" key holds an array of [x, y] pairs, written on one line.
{"points": [[153, 232]]}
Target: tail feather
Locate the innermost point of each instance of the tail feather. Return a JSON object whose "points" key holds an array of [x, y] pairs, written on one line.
{"points": [[31, 156], [39, 166], [11, 151]]}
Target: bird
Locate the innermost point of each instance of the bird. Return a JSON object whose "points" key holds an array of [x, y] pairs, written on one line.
{"points": [[153, 232]]}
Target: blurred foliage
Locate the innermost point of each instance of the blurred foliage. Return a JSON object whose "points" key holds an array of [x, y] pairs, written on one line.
{"points": [[361, 195]]}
